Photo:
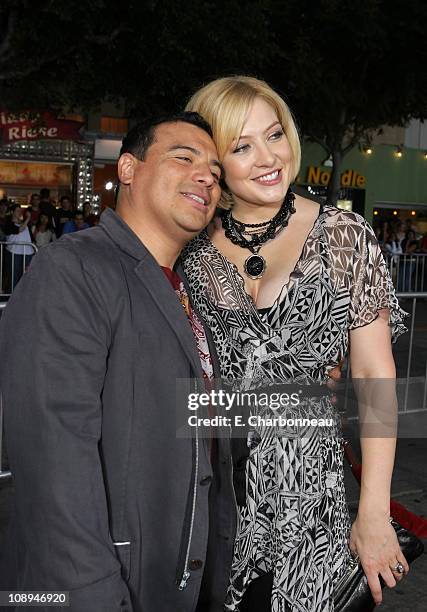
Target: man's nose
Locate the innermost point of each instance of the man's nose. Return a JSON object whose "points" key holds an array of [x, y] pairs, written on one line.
{"points": [[203, 174]]}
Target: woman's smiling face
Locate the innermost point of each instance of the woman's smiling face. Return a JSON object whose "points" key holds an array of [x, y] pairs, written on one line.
{"points": [[258, 167]]}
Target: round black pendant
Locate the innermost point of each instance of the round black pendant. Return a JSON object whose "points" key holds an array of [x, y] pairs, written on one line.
{"points": [[255, 266]]}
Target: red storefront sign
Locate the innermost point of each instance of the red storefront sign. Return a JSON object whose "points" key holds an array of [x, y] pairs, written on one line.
{"points": [[37, 126]]}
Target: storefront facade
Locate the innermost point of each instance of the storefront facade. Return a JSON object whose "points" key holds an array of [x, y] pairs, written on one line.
{"points": [[387, 181], [42, 151]]}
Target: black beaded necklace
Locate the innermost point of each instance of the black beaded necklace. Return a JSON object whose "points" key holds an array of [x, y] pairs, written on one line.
{"points": [[255, 265]]}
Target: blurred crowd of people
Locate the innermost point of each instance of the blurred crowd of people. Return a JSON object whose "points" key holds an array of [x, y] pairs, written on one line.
{"points": [[399, 237], [43, 218], [40, 223], [402, 243]]}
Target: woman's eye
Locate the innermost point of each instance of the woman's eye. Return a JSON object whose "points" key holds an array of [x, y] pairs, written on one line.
{"points": [[277, 135], [241, 148]]}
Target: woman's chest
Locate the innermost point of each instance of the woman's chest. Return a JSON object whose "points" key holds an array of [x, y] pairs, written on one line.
{"points": [[264, 269]]}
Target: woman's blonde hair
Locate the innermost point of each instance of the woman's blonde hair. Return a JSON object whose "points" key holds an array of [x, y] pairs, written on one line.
{"points": [[225, 104]]}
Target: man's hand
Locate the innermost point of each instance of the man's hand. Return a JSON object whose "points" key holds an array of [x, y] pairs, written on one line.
{"points": [[334, 379]]}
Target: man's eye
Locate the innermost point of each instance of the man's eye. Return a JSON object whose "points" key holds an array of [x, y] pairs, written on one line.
{"points": [[184, 158], [241, 148]]}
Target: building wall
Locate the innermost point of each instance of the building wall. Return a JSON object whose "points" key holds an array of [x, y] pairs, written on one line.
{"points": [[402, 181]]}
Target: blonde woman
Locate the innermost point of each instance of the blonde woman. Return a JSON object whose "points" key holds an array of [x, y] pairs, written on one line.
{"points": [[288, 287]]}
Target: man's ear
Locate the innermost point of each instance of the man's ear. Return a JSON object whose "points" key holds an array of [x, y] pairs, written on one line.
{"points": [[126, 168]]}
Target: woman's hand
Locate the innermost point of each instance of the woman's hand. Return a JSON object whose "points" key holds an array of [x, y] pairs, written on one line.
{"points": [[374, 540]]}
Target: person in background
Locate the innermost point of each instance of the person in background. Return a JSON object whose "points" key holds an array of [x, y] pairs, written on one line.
{"points": [[64, 214], [43, 232], [80, 222], [19, 250], [89, 216], [380, 234], [34, 209], [393, 246], [411, 225], [4, 205], [400, 231], [46, 205], [76, 224], [393, 250], [410, 242], [408, 263]]}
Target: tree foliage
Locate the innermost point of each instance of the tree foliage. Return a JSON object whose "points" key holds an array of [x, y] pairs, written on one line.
{"points": [[152, 53], [346, 68], [352, 67]]}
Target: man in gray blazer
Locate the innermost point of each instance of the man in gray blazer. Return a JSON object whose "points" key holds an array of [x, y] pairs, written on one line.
{"points": [[110, 504]]}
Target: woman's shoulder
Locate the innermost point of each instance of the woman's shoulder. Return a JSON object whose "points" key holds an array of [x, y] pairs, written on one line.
{"points": [[344, 220], [344, 229], [332, 215]]}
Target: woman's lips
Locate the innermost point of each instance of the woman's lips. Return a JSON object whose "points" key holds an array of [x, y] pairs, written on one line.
{"points": [[272, 178]]}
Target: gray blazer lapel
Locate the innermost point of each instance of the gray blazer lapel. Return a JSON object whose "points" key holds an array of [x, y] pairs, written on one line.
{"points": [[150, 273], [159, 287]]}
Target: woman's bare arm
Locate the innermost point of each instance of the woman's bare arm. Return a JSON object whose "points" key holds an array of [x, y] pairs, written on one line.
{"points": [[374, 373]]}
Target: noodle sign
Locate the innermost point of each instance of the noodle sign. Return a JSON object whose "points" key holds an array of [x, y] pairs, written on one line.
{"points": [[349, 178], [37, 126]]}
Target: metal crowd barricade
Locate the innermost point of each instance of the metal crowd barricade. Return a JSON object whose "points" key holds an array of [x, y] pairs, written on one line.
{"points": [[409, 272], [13, 265], [416, 298], [411, 383]]}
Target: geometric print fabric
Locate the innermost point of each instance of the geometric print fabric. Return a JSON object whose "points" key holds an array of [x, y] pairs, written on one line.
{"points": [[295, 521]]}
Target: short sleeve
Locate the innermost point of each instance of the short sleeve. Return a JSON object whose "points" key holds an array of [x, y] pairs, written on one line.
{"points": [[372, 288]]}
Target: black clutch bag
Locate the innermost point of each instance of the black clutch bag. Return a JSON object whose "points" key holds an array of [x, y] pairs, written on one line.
{"points": [[352, 592]]}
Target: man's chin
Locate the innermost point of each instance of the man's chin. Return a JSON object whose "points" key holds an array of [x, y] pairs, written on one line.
{"points": [[195, 226], [192, 231]]}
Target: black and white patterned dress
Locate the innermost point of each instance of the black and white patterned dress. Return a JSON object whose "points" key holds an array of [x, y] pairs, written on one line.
{"points": [[295, 521]]}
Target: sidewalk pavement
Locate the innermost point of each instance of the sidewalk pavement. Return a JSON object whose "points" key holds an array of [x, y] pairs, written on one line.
{"points": [[409, 488]]}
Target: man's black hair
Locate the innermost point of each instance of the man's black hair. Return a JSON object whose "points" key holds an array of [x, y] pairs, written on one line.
{"points": [[65, 197], [142, 136], [44, 193]]}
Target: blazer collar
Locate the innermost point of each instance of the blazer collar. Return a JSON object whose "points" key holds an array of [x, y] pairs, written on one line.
{"points": [[152, 276], [122, 235]]}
